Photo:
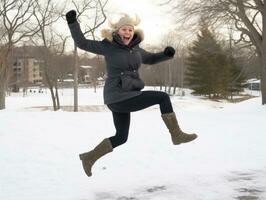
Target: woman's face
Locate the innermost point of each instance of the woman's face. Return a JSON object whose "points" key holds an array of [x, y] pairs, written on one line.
{"points": [[126, 33]]}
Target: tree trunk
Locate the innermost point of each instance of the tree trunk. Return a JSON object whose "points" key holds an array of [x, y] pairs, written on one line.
{"points": [[50, 86], [3, 79], [169, 89], [261, 51], [169, 78], [53, 97], [263, 77], [2, 93], [174, 89], [263, 86], [57, 97], [76, 71], [94, 84]]}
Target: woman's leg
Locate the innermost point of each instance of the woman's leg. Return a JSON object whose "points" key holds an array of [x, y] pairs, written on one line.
{"points": [[144, 100], [121, 122], [149, 98], [89, 158], [121, 112]]}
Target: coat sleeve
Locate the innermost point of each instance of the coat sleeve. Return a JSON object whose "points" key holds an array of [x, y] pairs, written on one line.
{"points": [[93, 46], [152, 58]]}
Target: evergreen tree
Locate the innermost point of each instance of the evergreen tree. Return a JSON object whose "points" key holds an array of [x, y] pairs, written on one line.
{"points": [[208, 66], [236, 78]]}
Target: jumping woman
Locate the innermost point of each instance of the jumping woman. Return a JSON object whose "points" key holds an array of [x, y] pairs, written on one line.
{"points": [[122, 89]]}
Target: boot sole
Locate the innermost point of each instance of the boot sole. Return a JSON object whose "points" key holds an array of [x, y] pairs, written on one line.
{"points": [[177, 143]]}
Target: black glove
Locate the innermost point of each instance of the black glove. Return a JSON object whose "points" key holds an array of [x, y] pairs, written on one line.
{"points": [[169, 51], [71, 16]]}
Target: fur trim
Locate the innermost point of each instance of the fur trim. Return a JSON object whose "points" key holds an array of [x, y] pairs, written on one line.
{"points": [[107, 34], [140, 33], [124, 20]]}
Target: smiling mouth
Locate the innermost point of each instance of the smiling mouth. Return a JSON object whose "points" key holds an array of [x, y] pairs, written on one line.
{"points": [[126, 39]]}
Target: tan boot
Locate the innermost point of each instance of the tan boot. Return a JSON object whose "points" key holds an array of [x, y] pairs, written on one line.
{"points": [[89, 158], [178, 136]]}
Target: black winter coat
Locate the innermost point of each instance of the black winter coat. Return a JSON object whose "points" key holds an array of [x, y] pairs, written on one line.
{"points": [[119, 58]]}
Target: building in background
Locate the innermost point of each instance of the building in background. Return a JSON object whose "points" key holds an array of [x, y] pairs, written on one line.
{"points": [[88, 74], [253, 84], [25, 69]]}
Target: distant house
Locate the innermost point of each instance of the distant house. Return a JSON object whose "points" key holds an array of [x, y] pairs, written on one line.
{"points": [[66, 83], [253, 84], [25, 69], [100, 81], [88, 76]]}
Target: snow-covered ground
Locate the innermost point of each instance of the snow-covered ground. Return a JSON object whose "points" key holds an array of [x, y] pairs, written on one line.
{"points": [[39, 151]]}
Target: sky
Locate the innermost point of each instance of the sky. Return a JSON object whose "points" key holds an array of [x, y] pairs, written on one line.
{"points": [[156, 22]]}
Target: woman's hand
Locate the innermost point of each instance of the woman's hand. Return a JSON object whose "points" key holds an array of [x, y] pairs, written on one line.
{"points": [[169, 51], [71, 16]]}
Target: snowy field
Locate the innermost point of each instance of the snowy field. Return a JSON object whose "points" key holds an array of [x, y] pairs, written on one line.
{"points": [[39, 151]]}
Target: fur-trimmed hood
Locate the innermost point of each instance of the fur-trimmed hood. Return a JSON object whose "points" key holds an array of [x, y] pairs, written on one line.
{"points": [[108, 34]]}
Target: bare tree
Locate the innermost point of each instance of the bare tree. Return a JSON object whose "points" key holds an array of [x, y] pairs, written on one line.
{"points": [[3, 67], [171, 65], [97, 18], [154, 75], [53, 44], [14, 15], [247, 16]]}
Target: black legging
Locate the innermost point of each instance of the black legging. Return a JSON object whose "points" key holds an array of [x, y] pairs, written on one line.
{"points": [[121, 112]]}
